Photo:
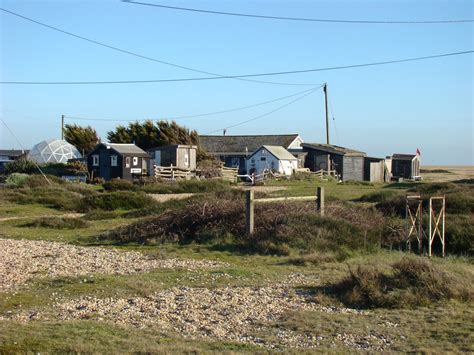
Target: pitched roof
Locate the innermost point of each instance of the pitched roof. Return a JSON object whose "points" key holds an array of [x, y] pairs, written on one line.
{"points": [[403, 156], [13, 152], [244, 144], [277, 151], [333, 149], [126, 149]]}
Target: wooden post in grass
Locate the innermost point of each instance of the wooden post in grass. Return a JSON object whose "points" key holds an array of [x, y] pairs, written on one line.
{"points": [[320, 200], [249, 216]]}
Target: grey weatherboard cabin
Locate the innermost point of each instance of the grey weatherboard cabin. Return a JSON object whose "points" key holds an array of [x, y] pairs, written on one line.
{"points": [[117, 160], [348, 163]]}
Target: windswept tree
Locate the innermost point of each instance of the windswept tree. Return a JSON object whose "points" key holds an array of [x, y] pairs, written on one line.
{"points": [[83, 138], [149, 134]]}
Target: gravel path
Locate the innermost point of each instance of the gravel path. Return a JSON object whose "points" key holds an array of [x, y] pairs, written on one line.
{"points": [[21, 260]]}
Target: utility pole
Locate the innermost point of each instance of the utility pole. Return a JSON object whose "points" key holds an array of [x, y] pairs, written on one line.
{"points": [[325, 89], [62, 127]]}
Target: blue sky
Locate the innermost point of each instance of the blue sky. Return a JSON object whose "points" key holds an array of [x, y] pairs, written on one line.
{"points": [[380, 110]]}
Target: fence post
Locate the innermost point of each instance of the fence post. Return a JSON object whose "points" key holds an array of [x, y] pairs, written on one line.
{"points": [[249, 215], [320, 200]]}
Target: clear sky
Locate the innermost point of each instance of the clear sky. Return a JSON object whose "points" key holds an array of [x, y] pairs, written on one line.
{"points": [[380, 110]]}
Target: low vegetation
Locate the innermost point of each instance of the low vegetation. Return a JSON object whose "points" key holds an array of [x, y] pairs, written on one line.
{"points": [[58, 223], [410, 282]]}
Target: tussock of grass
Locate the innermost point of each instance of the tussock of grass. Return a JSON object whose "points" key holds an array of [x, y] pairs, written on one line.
{"points": [[411, 282], [125, 200], [186, 186], [97, 215], [58, 223]]}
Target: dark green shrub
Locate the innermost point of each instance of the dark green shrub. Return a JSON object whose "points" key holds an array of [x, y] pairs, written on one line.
{"points": [[118, 185], [58, 223], [123, 200], [379, 196], [22, 165]]}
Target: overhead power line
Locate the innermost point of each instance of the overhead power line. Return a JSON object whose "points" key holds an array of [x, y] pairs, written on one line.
{"points": [[267, 113], [239, 76], [270, 17], [194, 116], [134, 54]]}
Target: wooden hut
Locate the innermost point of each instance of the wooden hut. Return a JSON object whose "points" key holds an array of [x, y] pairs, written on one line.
{"points": [[114, 160], [376, 170], [406, 166], [348, 163], [178, 155]]}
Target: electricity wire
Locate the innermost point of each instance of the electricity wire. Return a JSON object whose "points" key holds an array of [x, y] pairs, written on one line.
{"points": [[241, 76], [265, 114], [121, 50], [270, 17], [192, 116]]}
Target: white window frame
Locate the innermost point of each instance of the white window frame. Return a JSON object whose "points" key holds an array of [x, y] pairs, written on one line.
{"points": [[95, 160], [135, 161], [113, 160], [127, 162], [186, 158]]}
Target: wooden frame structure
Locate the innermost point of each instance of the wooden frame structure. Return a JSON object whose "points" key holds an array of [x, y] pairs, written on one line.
{"points": [[250, 203], [414, 222], [437, 217]]}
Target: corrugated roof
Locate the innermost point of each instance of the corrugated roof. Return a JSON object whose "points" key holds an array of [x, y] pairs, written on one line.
{"points": [[127, 149], [278, 152], [244, 144], [334, 149]]}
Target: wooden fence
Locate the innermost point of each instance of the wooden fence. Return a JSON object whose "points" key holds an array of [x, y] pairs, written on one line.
{"points": [[229, 174], [171, 173], [250, 203]]}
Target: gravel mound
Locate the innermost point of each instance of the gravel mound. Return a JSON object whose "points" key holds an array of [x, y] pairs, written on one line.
{"points": [[228, 313], [21, 260]]}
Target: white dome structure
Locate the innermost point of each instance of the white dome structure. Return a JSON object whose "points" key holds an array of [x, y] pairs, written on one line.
{"points": [[53, 151]]}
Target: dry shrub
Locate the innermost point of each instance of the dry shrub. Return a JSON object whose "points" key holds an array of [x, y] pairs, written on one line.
{"points": [[412, 282], [279, 227]]}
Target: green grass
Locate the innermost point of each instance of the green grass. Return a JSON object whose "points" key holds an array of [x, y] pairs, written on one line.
{"points": [[446, 326]]}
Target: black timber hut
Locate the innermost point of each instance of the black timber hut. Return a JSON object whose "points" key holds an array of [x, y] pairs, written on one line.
{"points": [[406, 166], [117, 160], [234, 150], [348, 163]]}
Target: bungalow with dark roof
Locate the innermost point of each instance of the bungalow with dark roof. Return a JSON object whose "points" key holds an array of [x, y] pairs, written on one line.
{"points": [[348, 163], [234, 150], [117, 160]]}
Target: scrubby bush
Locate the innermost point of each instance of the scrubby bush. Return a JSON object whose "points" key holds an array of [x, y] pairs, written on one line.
{"points": [[22, 165], [278, 228], [123, 200], [379, 196], [118, 185], [58, 223], [411, 282], [16, 179]]}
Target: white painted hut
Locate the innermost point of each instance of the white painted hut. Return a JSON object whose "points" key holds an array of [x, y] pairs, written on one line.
{"points": [[273, 158]]}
